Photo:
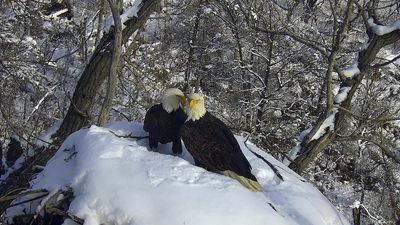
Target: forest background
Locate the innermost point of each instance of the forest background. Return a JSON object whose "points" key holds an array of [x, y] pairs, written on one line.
{"points": [[317, 80]]}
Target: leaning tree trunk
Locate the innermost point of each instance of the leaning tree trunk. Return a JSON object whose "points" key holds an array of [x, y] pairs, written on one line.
{"points": [[88, 86], [323, 134], [116, 7], [96, 72]]}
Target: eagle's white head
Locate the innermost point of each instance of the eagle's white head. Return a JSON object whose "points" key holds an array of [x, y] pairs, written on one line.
{"points": [[195, 107], [173, 98]]}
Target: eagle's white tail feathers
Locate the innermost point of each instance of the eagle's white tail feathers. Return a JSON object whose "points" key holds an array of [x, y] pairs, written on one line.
{"points": [[248, 183]]}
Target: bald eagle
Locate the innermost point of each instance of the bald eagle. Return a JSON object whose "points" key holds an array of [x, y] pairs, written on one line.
{"points": [[213, 145], [163, 121]]}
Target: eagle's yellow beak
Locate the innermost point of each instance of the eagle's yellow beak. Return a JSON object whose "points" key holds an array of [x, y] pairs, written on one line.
{"points": [[192, 102]]}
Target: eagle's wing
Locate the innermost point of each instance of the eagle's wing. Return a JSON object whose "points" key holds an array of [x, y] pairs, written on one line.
{"points": [[228, 150], [215, 148], [151, 119]]}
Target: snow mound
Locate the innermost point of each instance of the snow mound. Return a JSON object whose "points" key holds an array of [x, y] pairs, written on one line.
{"points": [[119, 181]]}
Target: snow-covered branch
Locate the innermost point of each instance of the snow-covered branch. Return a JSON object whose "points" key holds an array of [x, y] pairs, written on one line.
{"points": [[129, 13], [49, 92], [319, 137]]}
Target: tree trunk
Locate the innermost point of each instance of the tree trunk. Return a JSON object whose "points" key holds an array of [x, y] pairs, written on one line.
{"points": [[96, 72], [264, 92], [116, 7], [357, 216], [1, 158], [85, 92], [187, 87], [100, 21]]}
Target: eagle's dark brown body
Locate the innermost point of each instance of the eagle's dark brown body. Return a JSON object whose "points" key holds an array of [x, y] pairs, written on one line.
{"points": [[163, 127], [214, 147]]}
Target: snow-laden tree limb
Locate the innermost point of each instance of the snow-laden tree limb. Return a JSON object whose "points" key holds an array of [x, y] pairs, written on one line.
{"points": [[312, 145], [49, 92], [86, 91], [96, 71]]}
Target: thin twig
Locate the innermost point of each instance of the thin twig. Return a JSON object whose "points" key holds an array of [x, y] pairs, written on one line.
{"points": [[386, 63], [128, 136], [66, 215], [49, 92], [44, 202], [348, 111], [121, 113], [8, 196], [369, 214], [384, 148], [29, 200]]}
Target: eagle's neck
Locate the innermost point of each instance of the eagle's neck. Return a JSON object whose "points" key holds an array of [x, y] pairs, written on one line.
{"points": [[170, 104], [196, 112]]}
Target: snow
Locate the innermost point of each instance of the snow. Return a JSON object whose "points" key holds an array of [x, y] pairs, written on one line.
{"points": [[292, 154], [356, 204], [45, 139], [58, 53], [351, 71], [342, 94], [47, 26], [277, 113], [295, 150], [329, 123], [129, 13], [29, 41], [118, 181], [207, 10], [255, 16], [382, 30], [42, 141], [57, 13]]}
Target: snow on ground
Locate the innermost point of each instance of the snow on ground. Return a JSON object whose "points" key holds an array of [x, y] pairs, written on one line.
{"points": [[118, 181]]}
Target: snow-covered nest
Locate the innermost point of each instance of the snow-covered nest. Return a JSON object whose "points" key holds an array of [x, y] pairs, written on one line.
{"points": [[118, 181]]}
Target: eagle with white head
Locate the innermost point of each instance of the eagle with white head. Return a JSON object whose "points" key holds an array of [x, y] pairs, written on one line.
{"points": [[213, 146], [163, 121]]}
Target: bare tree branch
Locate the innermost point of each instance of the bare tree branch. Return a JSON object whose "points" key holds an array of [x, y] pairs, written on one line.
{"points": [[389, 153], [387, 63]]}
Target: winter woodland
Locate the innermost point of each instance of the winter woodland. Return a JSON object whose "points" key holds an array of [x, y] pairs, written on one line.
{"points": [[315, 85]]}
